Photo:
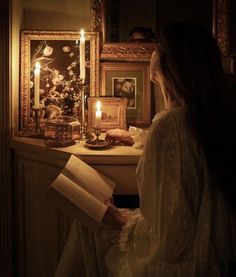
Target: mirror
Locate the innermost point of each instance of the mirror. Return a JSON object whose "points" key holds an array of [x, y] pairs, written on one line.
{"points": [[122, 16], [118, 50], [108, 15]]}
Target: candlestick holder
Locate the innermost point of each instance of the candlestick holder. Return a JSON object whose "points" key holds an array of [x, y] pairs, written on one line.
{"points": [[83, 121], [37, 114], [97, 134], [97, 143]]}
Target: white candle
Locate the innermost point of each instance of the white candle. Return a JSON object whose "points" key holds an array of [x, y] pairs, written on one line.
{"points": [[98, 115], [36, 85], [82, 55]]}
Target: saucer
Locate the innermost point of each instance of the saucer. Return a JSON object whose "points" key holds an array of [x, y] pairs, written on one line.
{"points": [[97, 144]]}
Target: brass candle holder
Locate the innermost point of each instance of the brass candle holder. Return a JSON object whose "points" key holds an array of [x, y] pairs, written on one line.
{"points": [[97, 134], [38, 113], [83, 121]]}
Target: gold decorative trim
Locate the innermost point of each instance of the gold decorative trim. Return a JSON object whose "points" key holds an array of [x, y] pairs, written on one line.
{"points": [[97, 19], [128, 51]]}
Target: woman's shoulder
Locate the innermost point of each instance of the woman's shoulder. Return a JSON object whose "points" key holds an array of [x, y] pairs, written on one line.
{"points": [[166, 122], [169, 115]]}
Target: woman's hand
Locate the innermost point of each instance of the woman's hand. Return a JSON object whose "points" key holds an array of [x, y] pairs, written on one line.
{"points": [[114, 217], [109, 201]]}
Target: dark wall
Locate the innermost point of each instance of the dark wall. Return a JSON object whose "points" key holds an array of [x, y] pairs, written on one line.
{"points": [[199, 11]]}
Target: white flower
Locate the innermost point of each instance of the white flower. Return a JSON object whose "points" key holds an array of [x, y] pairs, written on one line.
{"points": [[55, 71], [31, 84], [73, 64], [71, 72], [57, 80], [47, 51], [71, 54], [67, 88], [66, 49]]}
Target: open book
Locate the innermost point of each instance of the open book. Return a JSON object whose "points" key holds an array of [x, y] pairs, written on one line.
{"points": [[82, 192]]}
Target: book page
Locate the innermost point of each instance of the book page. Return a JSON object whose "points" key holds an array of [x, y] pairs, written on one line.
{"points": [[79, 197], [89, 179], [61, 202]]}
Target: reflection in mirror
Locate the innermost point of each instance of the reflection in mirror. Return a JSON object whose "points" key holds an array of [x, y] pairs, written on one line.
{"points": [[118, 50], [121, 16]]}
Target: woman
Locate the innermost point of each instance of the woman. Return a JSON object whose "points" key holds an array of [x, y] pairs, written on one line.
{"points": [[185, 225]]}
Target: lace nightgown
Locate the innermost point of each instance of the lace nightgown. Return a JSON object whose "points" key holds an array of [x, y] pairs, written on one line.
{"points": [[183, 227]]}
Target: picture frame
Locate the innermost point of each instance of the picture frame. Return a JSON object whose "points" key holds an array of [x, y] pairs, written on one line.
{"points": [[60, 85], [113, 112], [131, 80]]}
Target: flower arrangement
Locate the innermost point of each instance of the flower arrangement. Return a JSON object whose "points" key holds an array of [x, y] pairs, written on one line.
{"points": [[60, 84]]}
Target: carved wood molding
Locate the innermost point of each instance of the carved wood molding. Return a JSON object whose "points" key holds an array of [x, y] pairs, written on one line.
{"points": [[127, 51], [97, 19]]}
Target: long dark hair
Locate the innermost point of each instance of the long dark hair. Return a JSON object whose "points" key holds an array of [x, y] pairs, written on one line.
{"points": [[190, 63]]}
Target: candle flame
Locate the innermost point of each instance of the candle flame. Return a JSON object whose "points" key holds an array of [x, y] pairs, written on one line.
{"points": [[98, 106], [37, 65], [82, 33]]}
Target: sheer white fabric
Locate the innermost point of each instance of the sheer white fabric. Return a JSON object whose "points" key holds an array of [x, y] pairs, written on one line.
{"points": [[183, 227]]}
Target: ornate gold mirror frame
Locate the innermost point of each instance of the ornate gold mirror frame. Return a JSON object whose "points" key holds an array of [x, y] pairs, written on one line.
{"points": [[114, 51], [221, 31]]}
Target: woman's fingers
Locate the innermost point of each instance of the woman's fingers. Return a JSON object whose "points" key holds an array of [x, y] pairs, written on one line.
{"points": [[114, 217]]}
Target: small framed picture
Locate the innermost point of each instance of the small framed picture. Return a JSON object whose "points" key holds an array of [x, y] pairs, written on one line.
{"points": [[129, 80], [113, 112]]}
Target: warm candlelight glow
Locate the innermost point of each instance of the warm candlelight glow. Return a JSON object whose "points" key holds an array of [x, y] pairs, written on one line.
{"points": [[98, 115], [82, 33], [37, 65], [37, 85], [98, 106], [82, 55]]}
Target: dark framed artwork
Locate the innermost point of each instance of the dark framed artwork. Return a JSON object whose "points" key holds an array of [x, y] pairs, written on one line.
{"points": [[113, 112], [58, 53], [129, 80]]}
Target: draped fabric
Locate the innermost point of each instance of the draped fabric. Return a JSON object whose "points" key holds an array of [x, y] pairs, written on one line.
{"points": [[184, 226]]}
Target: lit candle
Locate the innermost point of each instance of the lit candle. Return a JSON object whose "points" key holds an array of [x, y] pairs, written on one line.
{"points": [[82, 55], [98, 115], [36, 85]]}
